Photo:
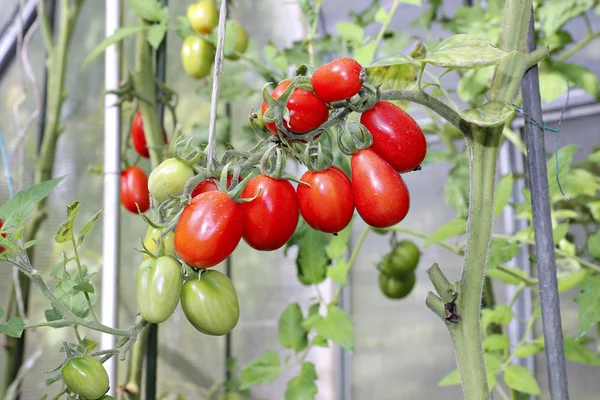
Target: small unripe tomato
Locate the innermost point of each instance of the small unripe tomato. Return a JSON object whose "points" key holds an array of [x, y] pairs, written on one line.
{"points": [[86, 377], [395, 288], [239, 43], [203, 16], [197, 56], [338, 80], [152, 235], [158, 288], [169, 179]]}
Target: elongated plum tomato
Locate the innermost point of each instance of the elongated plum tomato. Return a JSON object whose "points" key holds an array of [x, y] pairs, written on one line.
{"points": [[158, 288], [211, 303], [271, 218], [307, 110], [85, 376], [152, 235], [380, 194], [395, 288], [397, 138], [169, 179], [327, 204], [138, 136], [209, 229], [197, 56], [211, 185], [203, 16], [240, 41], [338, 80], [134, 189]]}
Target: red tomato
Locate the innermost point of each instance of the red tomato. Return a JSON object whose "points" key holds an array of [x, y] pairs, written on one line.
{"points": [[211, 185], [271, 219], [397, 138], [327, 205], [138, 137], [3, 235], [380, 194], [134, 189], [338, 80], [209, 229], [307, 110]]}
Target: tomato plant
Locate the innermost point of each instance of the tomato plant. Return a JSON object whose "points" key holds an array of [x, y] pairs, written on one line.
{"points": [[158, 288], [85, 376], [197, 56], [134, 189], [271, 218], [168, 179], [211, 303], [138, 136], [210, 185], [338, 80], [203, 16], [208, 230], [327, 204]]}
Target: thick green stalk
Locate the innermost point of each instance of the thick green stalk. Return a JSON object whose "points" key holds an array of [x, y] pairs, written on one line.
{"points": [[57, 66]]}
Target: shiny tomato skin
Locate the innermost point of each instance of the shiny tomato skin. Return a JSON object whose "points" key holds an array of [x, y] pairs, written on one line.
{"points": [[327, 205], [211, 185], [380, 194], [203, 16], [208, 230], [158, 288], [270, 219], [169, 179], [197, 56], [134, 189], [338, 80], [397, 138], [138, 136], [85, 376], [307, 110]]}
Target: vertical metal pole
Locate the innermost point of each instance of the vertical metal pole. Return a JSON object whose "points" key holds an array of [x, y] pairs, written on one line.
{"points": [[228, 264], [152, 346], [542, 224], [112, 173]]}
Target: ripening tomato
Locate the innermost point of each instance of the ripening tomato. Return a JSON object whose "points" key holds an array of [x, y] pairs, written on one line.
{"points": [[134, 189], [211, 303], [307, 110], [197, 56], [338, 80], [85, 376], [209, 229], [271, 218], [169, 179], [239, 43], [152, 235], [3, 235], [158, 288], [327, 205], [138, 136], [397, 138], [380, 194], [211, 185], [203, 16]]}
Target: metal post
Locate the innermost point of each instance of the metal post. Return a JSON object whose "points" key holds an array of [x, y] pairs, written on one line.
{"points": [[542, 224], [19, 23], [112, 173]]}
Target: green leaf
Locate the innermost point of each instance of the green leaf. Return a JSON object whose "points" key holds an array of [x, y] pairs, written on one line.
{"points": [[579, 353], [1, 312], [336, 326], [560, 231], [88, 227], [503, 193], [552, 85], [366, 16], [312, 318], [493, 366], [568, 281], [312, 259], [303, 386], [589, 303], [338, 272], [13, 327], [491, 114], [364, 55], [52, 314], [84, 287], [59, 271], [413, 2], [116, 37], [16, 210], [496, 342], [500, 315], [474, 83], [581, 182], [528, 350], [594, 207], [156, 34], [30, 243], [514, 277], [580, 76], [500, 252], [149, 10], [553, 14], [593, 244], [448, 230], [519, 378], [320, 341], [350, 32], [565, 159], [466, 51], [393, 73], [453, 378], [338, 245], [265, 368], [290, 331], [65, 231], [456, 188], [382, 16]]}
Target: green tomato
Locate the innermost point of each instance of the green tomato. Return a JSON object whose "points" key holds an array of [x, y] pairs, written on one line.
{"points": [[168, 179], [394, 288], [158, 288], [203, 16], [107, 397], [86, 377], [152, 234], [402, 260], [197, 56], [238, 43], [211, 303]]}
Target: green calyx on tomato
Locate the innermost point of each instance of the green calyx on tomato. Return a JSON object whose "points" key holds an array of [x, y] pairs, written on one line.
{"points": [[169, 179], [158, 288], [203, 16], [211, 303], [236, 40], [197, 56], [395, 288], [401, 261], [86, 377]]}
